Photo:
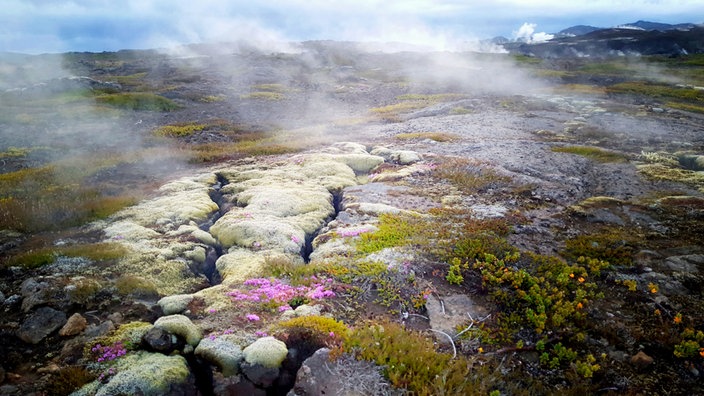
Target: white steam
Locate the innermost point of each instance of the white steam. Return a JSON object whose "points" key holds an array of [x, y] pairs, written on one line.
{"points": [[528, 34]]}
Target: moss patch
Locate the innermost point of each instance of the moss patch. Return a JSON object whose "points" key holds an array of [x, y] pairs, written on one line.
{"points": [[594, 153]]}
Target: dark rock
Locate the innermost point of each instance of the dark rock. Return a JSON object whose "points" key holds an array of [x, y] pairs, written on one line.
{"points": [[2, 298], [259, 375], [2, 375], [641, 361], [235, 385], [159, 340], [40, 324]]}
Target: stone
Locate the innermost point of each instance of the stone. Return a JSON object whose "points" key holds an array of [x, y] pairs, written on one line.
{"points": [[175, 304], [181, 326], [222, 352], [345, 375], [688, 264], [160, 340], [2, 298], [641, 361], [406, 157], [40, 324], [266, 351], [75, 325]]}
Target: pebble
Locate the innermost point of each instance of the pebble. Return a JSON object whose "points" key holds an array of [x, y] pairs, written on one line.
{"points": [[640, 360]]}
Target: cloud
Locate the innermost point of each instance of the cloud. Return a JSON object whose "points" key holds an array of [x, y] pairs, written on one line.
{"points": [[60, 25]]}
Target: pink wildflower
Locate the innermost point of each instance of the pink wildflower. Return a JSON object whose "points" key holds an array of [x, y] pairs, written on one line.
{"points": [[295, 239], [260, 333], [284, 308], [252, 317]]}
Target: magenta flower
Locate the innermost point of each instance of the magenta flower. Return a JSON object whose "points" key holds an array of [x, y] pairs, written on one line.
{"points": [[295, 239], [252, 317]]}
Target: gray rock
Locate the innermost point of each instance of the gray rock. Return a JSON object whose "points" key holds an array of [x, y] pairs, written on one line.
{"points": [[2, 298], [40, 324], [344, 376], [102, 329], [689, 264]]}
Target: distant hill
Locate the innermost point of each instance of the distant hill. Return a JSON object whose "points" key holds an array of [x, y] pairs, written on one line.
{"points": [[639, 38], [580, 30], [663, 27], [577, 30]]}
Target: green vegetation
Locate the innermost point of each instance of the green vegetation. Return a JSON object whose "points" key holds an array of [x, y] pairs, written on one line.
{"points": [[264, 95], [411, 102], [436, 136], [179, 130], [138, 101], [658, 91], [53, 196], [410, 360], [615, 247], [136, 286], [594, 153], [68, 379], [393, 230], [468, 176], [38, 257]]}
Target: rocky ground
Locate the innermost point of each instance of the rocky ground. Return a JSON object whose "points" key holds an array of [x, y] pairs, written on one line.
{"points": [[368, 176]]}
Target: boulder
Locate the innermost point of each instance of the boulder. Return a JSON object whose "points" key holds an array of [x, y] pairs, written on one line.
{"points": [[75, 325], [266, 351], [345, 375], [175, 304], [222, 352], [181, 326], [40, 324]]}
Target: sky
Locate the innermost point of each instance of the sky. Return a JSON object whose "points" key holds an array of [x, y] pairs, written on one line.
{"points": [[49, 26]]}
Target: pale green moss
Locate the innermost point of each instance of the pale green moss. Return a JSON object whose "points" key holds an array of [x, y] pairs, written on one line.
{"points": [[144, 373], [267, 352], [181, 326], [223, 352]]}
